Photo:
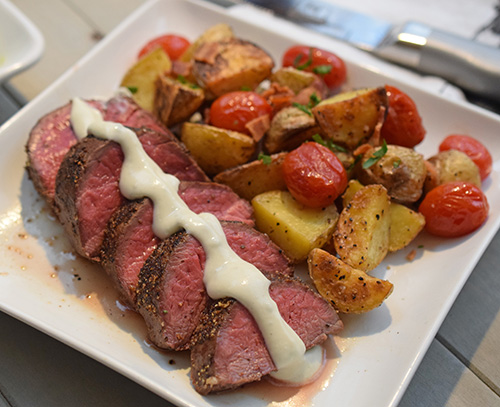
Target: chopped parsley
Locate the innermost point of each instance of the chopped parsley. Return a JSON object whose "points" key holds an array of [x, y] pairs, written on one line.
{"points": [[132, 89], [322, 69], [304, 108], [306, 64], [328, 144], [376, 156], [266, 159]]}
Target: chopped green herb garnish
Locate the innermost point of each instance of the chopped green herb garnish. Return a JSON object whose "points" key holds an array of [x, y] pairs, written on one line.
{"points": [[266, 159], [314, 100], [396, 163], [132, 89], [305, 64], [329, 144], [304, 108], [181, 79], [246, 88], [420, 246], [376, 156], [322, 69]]}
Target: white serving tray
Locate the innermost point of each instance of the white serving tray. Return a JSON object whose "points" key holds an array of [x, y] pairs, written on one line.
{"points": [[21, 43], [371, 363]]}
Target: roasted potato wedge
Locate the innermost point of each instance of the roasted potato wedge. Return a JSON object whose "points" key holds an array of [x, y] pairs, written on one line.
{"points": [[401, 171], [293, 78], [141, 77], [406, 224], [350, 118], [353, 186], [290, 127], [349, 290], [362, 235], [452, 165], [292, 226], [230, 65], [215, 33], [254, 178], [175, 101], [216, 149]]}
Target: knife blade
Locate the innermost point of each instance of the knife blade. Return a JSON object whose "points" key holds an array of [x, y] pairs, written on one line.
{"points": [[470, 65]]}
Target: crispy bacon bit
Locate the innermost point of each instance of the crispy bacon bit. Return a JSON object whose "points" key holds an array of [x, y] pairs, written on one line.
{"points": [[411, 256], [207, 52], [278, 96], [259, 126], [362, 149], [181, 68]]}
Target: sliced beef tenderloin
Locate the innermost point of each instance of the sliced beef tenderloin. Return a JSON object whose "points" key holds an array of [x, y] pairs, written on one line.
{"points": [[129, 238], [53, 136], [48, 143], [171, 295], [228, 349], [87, 184]]}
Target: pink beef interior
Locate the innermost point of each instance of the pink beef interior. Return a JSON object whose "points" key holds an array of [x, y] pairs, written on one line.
{"points": [[100, 197]]}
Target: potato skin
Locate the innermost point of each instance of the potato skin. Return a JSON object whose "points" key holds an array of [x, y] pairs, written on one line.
{"points": [[452, 165], [254, 178], [216, 149], [232, 65], [362, 235], [401, 171], [350, 118], [349, 290]]}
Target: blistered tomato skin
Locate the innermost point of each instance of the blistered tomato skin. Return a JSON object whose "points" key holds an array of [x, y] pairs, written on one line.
{"points": [[473, 148], [326, 64], [314, 175], [233, 110], [174, 45], [403, 124], [454, 209]]}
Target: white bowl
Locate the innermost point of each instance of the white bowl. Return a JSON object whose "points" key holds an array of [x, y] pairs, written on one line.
{"points": [[21, 43]]}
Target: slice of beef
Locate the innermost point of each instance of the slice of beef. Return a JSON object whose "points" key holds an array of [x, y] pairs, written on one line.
{"points": [[48, 143], [53, 136], [87, 184], [129, 238], [171, 295], [228, 349]]}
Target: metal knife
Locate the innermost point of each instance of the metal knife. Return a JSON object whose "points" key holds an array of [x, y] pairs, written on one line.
{"points": [[470, 65]]}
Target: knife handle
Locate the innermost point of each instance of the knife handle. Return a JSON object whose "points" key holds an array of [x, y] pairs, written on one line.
{"points": [[472, 66]]}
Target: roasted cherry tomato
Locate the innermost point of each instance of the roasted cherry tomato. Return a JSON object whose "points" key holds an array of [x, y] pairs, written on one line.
{"points": [[234, 110], [403, 124], [454, 209], [314, 175], [174, 45], [473, 148], [326, 64]]}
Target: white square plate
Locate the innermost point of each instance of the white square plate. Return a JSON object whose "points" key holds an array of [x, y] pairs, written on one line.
{"points": [[21, 43], [43, 284]]}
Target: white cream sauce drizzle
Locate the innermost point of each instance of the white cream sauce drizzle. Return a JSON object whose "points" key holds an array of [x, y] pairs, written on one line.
{"points": [[226, 274]]}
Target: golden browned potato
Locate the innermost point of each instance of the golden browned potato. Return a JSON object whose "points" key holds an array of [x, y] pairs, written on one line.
{"points": [[140, 79], [175, 101], [349, 290], [256, 177], [292, 226], [293, 78], [349, 118], [452, 165], [401, 171], [353, 186], [290, 127], [230, 65], [215, 33], [406, 224], [216, 149], [362, 235]]}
